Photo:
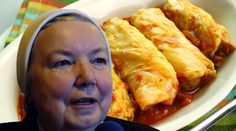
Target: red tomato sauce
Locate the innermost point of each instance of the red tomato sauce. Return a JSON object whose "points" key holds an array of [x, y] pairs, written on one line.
{"points": [[20, 106], [159, 112]]}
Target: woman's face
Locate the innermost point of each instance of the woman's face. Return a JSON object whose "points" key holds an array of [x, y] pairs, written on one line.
{"points": [[70, 79]]}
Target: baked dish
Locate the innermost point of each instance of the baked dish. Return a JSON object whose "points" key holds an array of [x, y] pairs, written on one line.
{"points": [[121, 106], [143, 68], [198, 26], [192, 67]]}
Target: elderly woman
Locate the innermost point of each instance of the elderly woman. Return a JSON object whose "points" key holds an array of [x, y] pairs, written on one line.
{"points": [[64, 70]]}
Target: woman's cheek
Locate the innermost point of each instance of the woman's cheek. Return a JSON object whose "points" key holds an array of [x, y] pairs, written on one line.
{"points": [[104, 81], [60, 84]]}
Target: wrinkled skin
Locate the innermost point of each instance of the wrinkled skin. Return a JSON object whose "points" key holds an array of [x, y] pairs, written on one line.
{"points": [[70, 79]]}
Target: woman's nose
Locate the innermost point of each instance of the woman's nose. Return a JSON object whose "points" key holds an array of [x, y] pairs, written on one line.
{"points": [[85, 74]]}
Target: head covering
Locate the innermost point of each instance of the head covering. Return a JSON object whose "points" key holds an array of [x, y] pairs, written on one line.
{"points": [[30, 35]]}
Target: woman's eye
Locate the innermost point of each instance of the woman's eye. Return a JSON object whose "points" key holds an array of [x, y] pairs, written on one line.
{"points": [[62, 63], [100, 61]]}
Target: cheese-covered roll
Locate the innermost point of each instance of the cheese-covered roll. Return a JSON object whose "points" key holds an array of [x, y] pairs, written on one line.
{"points": [[121, 106], [149, 75], [192, 67], [198, 26]]}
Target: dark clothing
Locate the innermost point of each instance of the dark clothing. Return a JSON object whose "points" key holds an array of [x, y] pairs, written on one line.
{"points": [[30, 124], [130, 126]]}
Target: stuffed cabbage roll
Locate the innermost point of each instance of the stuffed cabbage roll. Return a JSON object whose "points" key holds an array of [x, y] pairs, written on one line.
{"points": [[149, 75], [199, 27], [192, 67], [121, 106]]}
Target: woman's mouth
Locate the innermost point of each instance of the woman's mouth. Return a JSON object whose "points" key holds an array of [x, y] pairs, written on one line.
{"points": [[83, 101]]}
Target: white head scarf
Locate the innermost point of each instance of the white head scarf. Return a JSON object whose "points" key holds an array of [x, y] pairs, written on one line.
{"points": [[30, 35]]}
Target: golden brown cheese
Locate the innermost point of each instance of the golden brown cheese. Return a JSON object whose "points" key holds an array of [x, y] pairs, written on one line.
{"points": [[188, 61], [198, 26], [149, 75], [121, 106]]}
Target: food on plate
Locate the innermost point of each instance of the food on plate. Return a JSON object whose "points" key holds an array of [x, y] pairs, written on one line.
{"points": [[198, 26], [143, 68], [20, 106], [149, 73], [192, 67], [121, 106]]}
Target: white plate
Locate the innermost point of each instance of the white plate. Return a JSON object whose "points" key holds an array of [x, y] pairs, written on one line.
{"points": [[222, 10]]}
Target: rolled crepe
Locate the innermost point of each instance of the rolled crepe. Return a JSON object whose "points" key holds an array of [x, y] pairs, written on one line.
{"points": [[192, 67], [149, 75], [121, 106], [198, 26]]}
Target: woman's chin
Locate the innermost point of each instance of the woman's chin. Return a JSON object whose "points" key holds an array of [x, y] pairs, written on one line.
{"points": [[83, 120]]}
